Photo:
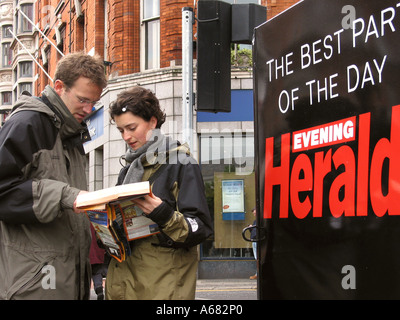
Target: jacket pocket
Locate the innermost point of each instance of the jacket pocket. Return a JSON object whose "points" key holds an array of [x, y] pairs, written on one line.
{"points": [[26, 286]]}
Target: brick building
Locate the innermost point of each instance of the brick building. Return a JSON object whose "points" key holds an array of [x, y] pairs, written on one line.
{"points": [[140, 42], [119, 31]]}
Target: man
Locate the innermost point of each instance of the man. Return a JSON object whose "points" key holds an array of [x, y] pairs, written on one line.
{"points": [[253, 236], [44, 240]]}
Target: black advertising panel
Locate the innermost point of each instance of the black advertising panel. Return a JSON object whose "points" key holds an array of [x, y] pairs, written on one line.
{"points": [[327, 109]]}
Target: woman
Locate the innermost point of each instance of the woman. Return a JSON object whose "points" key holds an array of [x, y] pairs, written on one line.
{"points": [[161, 266]]}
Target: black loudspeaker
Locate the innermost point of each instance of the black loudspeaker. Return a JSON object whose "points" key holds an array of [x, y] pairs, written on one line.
{"points": [[213, 56], [246, 17]]}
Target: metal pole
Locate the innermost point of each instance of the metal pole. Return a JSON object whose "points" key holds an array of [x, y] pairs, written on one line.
{"points": [[33, 58], [40, 31], [187, 76]]}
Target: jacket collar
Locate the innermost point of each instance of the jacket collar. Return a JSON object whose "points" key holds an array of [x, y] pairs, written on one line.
{"points": [[72, 133], [69, 127]]}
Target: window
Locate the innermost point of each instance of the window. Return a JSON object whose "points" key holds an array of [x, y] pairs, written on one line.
{"points": [[5, 32], [98, 168], [6, 53], [227, 166], [151, 34], [60, 37], [25, 87], [25, 69], [80, 33], [6, 98], [25, 25]]}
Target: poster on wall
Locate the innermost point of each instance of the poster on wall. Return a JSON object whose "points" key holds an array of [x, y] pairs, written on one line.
{"points": [[327, 124], [233, 199]]}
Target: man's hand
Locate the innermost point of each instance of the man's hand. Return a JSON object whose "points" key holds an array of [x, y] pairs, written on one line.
{"points": [[76, 210]]}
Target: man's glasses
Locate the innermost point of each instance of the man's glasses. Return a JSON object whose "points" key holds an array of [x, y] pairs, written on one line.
{"points": [[86, 101]]}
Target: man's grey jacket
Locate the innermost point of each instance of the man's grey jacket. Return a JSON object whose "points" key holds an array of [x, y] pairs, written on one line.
{"points": [[44, 244]]}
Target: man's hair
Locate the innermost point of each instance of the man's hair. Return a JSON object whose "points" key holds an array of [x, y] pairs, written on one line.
{"points": [[75, 65]]}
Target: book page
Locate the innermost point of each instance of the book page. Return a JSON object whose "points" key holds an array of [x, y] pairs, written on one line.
{"points": [[112, 194], [135, 223], [99, 220]]}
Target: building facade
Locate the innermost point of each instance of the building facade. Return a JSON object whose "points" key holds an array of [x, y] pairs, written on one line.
{"points": [[140, 42], [18, 42]]}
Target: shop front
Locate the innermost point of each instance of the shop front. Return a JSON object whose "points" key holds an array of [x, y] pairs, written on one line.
{"points": [[226, 153]]}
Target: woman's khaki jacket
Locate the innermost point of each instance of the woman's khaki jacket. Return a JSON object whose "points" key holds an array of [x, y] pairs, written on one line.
{"points": [[164, 266]]}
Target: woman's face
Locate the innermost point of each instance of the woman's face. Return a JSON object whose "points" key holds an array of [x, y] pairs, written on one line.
{"points": [[134, 130]]}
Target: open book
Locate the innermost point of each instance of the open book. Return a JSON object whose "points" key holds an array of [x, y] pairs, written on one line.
{"points": [[115, 217]]}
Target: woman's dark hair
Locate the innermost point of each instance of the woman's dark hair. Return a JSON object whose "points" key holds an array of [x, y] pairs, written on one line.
{"points": [[141, 102]]}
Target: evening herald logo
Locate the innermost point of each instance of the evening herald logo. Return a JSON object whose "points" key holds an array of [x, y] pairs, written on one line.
{"points": [[357, 174]]}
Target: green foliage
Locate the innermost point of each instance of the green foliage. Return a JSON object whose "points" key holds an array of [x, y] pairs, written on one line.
{"points": [[242, 58]]}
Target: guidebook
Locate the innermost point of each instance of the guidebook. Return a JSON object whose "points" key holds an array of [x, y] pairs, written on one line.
{"points": [[115, 217]]}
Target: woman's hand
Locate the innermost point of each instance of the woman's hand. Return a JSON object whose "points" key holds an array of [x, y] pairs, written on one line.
{"points": [[148, 203]]}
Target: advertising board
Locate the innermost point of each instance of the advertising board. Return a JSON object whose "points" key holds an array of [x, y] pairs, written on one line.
{"points": [[327, 133]]}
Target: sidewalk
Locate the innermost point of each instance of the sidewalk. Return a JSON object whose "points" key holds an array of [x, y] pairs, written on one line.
{"points": [[204, 285], [231, 284], [226, 289]]}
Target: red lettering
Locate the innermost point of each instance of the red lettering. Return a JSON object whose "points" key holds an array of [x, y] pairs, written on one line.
{"points": [[277, 176], [363, 164], [357, 181], [390, 150], [379, 202], [343, 184], [394, 170], [328, 134], [297, 185], [322, 168]]}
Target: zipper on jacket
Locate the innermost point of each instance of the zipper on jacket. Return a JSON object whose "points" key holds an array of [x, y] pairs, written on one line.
{"points": [[30, 281]]}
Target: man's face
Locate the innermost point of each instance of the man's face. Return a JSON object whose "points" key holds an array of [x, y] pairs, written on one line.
{"points": [[80, 98]]}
